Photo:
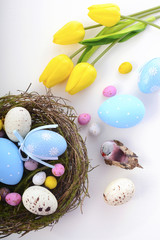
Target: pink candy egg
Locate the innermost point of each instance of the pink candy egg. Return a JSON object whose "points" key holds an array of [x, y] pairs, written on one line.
{"points": [[58, 170], [13, 199], [109, 91], [31, 165], [84, 118]]}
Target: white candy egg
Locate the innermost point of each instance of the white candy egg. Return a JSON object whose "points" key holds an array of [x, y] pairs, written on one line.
{"points": [[19, 119], [39, 200], [39, 178], [119, 191], [94, 129]]}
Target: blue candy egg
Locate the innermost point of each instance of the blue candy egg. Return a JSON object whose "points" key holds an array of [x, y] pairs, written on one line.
{"points": [[11, 165], [149, 79], [122, 111], [45, 144]]}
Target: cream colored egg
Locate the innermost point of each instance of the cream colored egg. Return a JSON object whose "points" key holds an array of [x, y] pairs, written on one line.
{"points": [[19, 119], [119, 191], [39, 200], [39, 178]]}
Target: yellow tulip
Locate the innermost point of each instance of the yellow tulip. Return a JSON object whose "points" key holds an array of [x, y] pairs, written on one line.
{"points": [[82, 76], [105, 14], [72, 32], [57, 70]]}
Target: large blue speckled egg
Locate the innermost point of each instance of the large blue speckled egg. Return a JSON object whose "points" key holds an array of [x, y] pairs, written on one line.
{"points": [[45, 144], [149, 79], [11, 165], [122, 111]]}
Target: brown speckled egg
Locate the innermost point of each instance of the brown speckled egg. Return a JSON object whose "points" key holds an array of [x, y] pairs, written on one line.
{"points": [[39, 200], [119, 191]]}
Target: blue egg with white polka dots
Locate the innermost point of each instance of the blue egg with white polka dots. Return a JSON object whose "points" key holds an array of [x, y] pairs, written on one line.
{"points": [[149, 78], [122, 111], [11, 165], [45, 144]]}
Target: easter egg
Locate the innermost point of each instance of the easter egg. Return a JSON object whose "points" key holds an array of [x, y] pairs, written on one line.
{"points": [[39, 178], [94, 129], [30, 165], [11, 166], [13, 199], [119, 191], [2, 133], [58, 170], [45, 144], [84, 118], [149, 78], [19, 119], [3, 192], [50, 182], [1, 124], [109, 91], [39, 200], [125, 67], [122, 111]]}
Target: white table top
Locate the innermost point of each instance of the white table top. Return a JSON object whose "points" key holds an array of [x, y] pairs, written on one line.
{"points": [[26, 47]]}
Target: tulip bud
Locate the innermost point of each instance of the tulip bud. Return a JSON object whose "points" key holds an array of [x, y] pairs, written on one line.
{"points": [[72, 32], [105, 14], [57, 70], [82, 76]]}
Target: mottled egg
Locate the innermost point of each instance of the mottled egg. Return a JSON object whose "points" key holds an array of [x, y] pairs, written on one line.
{"points": [[3, 192], [84, 118], [13, 199], [94, 129], [58, 170], [125, 67], [39, 178], [122, 111], [149, 78], [109, 91], [50, 182], [31, 165], [11, 166], [39, 200], [119, 191], [19, 119], [44, 144]]}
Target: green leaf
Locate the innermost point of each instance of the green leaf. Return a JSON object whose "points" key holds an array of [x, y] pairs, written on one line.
{"points": [[108, 38]]}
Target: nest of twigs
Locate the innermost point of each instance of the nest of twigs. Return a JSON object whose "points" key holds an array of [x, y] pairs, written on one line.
{"points": [[72, 185]]}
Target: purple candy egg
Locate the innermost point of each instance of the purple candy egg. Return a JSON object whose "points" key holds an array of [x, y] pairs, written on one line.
{"points": [[58, 170], [13, 199], [3, 193], [31, 165], [109, 91], [2, 133], [84, 118]]}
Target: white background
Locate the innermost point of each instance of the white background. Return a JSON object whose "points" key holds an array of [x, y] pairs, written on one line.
{"points": [[26, 29]]}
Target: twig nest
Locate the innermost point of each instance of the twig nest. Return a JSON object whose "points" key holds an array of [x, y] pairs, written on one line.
{"points": [[72, 184]]}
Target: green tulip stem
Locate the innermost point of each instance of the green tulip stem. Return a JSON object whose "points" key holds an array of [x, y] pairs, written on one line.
{"points": [[140, 20], [76, 52], [145, 11], [105, 51], [93, 26]]}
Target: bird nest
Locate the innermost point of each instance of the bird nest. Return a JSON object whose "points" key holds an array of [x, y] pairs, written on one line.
{"points": [[72, 186]]}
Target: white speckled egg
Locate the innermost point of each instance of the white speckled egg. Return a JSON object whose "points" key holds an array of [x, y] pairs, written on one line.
{"points": [[119, 191], [39, 178], [19, 119], [39, 200], [94, 129]]}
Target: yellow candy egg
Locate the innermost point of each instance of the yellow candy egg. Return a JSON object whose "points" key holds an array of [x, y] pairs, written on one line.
{"points": [[1, 124], [50, 182], [125, 67]]}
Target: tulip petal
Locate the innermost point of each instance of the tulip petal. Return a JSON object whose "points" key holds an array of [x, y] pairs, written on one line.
{"points": [[82, 76]]}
